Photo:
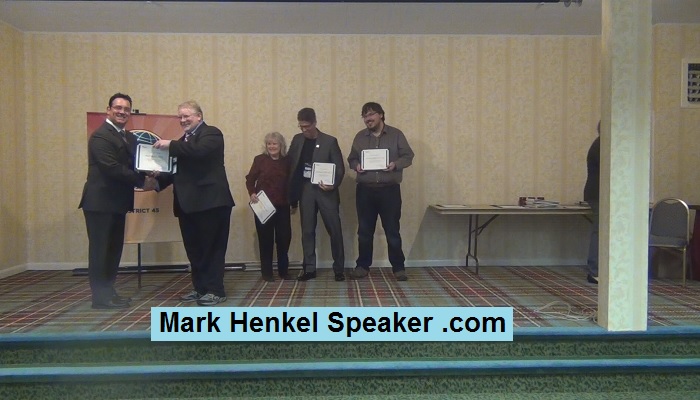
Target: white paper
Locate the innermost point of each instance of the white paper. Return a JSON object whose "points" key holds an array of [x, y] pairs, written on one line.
{"points": [[323, 172], [148, 158], [264, 208], [374, 159]]}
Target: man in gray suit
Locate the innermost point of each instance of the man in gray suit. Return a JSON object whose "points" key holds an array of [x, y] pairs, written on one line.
{"points": [[308, 147], [108, 195]]}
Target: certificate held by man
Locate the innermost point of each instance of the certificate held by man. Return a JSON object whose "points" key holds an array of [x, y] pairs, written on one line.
{"points": [[148, 158], [374, 159], [323, 173]]}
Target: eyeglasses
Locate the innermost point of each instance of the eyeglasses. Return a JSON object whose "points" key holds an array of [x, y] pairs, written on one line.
{"points": [[304, 127], [369, 114], [125, 110]]}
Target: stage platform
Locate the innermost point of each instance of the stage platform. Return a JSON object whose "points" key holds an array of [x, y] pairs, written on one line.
{"points": [[53, 345], [541, 297]]}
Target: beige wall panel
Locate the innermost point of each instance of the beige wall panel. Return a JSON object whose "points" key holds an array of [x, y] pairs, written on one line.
{"points": [[667, 50], [46, 193], [486, 115], [260, 106], [78, 77], [551, 117], [690, 128], [675, 144], [490, 118], [374, 68], [437, 125], [409, 113], [521, 126], [496, 113], [173, 78], [691, 40], [360, 76], [13, 187], [319, 71], [140, 71], [109, 53], [465, 132], [291, 66], [690, 173], [413, 111], [198, 59], [668, 145], [582, 112]]}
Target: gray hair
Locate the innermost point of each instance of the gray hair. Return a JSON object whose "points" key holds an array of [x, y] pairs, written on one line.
{"points": [[192, 105], [280, 139]]}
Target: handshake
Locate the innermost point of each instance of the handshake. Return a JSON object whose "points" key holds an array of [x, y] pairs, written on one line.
{"points": [[150, 183]]}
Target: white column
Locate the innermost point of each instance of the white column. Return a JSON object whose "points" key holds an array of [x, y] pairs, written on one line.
{"points": [[625, 146]]}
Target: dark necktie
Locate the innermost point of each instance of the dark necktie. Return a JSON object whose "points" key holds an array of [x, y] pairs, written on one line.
{"points": [[188, 136], [123, 134]]}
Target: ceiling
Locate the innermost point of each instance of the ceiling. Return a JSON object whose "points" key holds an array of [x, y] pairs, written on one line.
{"points": [[335, 17]]}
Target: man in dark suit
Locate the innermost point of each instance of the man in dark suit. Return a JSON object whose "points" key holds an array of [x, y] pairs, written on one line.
{"points": [[591, 193], [202, 202], [308, 147], [108, 195]]}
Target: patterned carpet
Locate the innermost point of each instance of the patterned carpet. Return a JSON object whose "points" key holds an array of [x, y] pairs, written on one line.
{"points": [[58, 301]]}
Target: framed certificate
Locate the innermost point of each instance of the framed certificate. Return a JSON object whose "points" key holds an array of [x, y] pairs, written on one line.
{"points": [[148, 158], [263, 209], [374, 159], [323, 172]]}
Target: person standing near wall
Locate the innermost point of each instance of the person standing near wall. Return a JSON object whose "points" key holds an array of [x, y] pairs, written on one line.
{"points": [[308, 147], [108, 195], [379, 191], [591, 194], [202, 202], [270, 173]]}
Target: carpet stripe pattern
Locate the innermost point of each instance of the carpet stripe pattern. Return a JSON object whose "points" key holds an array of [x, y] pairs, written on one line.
{"points": [[58, 301]]}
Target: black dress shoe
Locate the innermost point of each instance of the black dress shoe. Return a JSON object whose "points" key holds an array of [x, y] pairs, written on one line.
{"points": [[339, 277], [110, 305], [285, 277], [268, 278], [307, 276]]}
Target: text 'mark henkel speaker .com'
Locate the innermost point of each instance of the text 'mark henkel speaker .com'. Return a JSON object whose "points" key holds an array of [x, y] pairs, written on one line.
{"points": [[332, 324]]}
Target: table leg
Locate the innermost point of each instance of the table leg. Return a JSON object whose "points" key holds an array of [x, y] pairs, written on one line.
{"points": [[139, 268], [472, 245]]}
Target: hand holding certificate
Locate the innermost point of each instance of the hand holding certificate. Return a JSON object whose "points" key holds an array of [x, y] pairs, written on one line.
{"points": [[374, 159], [323, 172], [263, 209], [148, 158]]}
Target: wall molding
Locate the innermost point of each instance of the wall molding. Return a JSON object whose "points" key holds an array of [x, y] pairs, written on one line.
{"points": [[9, 271], [484, 262]]}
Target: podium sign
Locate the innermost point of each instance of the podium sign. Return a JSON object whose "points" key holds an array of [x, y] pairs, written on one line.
{"points": [[152, 220]]}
